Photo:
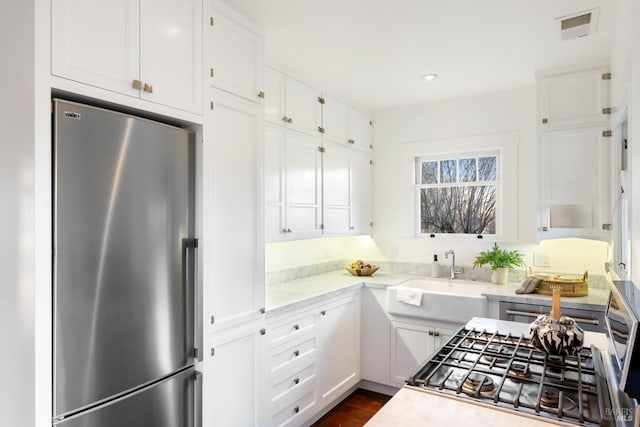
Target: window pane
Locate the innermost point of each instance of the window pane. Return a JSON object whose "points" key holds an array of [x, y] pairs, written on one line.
{"points": [[429, 172], [466, 210], [487, 169], [466, 170], [447, 171]]}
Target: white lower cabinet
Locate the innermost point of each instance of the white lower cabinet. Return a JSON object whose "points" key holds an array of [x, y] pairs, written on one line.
{"points": [[310, 356], [231, 366], [411, 345], [375, 337]]}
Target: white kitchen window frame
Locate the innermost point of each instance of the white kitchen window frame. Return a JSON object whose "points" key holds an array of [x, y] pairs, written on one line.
{"points": [[419, 160]]}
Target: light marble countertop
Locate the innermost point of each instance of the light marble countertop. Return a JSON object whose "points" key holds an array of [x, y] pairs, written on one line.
{"points": [[281, 296]]}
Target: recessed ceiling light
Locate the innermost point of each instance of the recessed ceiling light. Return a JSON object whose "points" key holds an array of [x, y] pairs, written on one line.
{"points": [[430, 77]]}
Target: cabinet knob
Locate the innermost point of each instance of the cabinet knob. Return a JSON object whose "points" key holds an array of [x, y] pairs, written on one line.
{"points": [[137, 84], [430, 333], [296, 327], [296, 409], [211, 72], [148, 88], [261, 94], [352, 228], [288, 230], [545, 121], [296, 353], [296, 380], [263, 331], [323, 313], [436, 333], [350, 141], [285, 119]]}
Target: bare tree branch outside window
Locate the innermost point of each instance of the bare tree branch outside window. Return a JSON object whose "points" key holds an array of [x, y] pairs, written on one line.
{"points": [[458, 195]]}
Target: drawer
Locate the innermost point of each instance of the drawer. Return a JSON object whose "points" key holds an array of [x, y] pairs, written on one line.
{"points": [[280, 359], [281, 332], [294, 413], [284, 386]]}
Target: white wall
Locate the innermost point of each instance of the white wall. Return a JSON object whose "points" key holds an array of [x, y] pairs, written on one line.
{"points": [[625, 67], [402, 133], [17, 195]]}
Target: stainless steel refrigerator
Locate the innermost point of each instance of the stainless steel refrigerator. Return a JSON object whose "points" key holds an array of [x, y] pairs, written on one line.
{"points": [[126, 304]]}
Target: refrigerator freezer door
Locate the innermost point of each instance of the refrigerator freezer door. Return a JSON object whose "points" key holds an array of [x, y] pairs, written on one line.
{"points": [[123, 199], [173, 402]]}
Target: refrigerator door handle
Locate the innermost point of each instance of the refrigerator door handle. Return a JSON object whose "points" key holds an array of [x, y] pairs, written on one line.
{"points": [[197, 399], [192, 280]]}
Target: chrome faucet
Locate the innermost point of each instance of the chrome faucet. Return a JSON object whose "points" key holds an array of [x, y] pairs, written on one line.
{"points": [[452, 267]]}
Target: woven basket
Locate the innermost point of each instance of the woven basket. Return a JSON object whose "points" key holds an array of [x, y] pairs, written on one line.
{"points": [[362, 271], [570, 286]]}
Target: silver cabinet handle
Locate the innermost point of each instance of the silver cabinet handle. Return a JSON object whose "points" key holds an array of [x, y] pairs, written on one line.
{"points": [[531, 314], [191, 282]]}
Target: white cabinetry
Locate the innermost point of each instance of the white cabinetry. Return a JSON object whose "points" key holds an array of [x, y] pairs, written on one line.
{"points": [[375, 338], [231, 366], [574, 154], [293, 184], [234, 54], [311, 357], [339, 341], [359, 130], [574, 98], [411, 345], [291, 103], [233, 224], [139, 48], [346, 183], [335, 116]]}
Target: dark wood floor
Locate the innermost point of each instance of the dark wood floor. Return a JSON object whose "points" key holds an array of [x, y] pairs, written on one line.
{"points": [[355, 410]]}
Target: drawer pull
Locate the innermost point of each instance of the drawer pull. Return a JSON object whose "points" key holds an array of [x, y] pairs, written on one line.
{"points": [[323, 312], [296, 327], [296, 381], [296, 353], [296, 409], [430, 333], [531, 314]]}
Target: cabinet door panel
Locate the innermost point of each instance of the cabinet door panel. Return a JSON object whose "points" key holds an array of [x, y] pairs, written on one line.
{"points": [[360, 130], [361, 192], [273, 95], [232, 206], [302, 106], [303, 184], [572, 180], [334, 120], [410, 347], [171, 52], [233, 366], [96, 42], [274, 182], [574, 98], [340, 349], [234, 53]]}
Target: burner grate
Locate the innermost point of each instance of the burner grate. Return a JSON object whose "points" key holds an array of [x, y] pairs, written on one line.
{"points": [[508, 371]]}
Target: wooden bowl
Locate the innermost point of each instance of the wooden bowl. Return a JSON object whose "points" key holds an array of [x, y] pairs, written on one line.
{"points": [[362, 271]]}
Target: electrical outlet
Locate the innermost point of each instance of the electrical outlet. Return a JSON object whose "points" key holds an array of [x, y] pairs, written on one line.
{"points": [[541, 259], [394, 252]]}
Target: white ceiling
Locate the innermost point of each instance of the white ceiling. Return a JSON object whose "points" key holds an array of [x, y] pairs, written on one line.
{"points": [[372, 53]]}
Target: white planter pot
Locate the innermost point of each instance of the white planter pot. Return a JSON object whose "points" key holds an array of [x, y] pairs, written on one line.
{"points": [[500, 276]]}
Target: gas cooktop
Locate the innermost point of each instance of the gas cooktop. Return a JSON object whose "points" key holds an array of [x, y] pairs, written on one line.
{"points": [[508, 372]]}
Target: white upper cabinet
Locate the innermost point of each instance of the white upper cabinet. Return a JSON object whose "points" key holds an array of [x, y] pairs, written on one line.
{"points": [[291, 103], [234, 54], [360, 130], [292, 184], [334, 119], [574, 154], [140, 48], [346, 184], [574, 98]]}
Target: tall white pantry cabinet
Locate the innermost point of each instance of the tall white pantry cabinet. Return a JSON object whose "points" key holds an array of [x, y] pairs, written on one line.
{"points": [[233, 216]]}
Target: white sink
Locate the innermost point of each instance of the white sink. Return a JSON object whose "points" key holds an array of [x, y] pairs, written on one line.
{"points": [[447, 300]]}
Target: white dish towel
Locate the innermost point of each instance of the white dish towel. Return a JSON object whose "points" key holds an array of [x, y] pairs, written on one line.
{"points": [[409, 296]]}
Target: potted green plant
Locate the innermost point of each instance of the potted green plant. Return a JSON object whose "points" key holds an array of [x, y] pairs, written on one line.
{"points": [[500, 261]]}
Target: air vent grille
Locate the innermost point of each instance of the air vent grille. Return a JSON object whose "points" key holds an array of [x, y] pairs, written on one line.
{"points": [[578, 25]]}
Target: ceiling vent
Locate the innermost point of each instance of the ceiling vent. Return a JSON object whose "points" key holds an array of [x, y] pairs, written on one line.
{"points": [[578, 25]]}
